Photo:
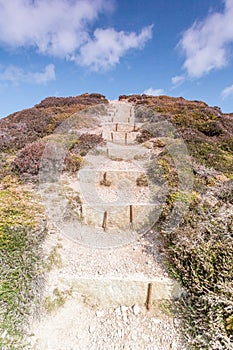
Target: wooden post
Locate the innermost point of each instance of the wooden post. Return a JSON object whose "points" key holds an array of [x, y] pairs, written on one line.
{"points": [[112, 136], [116, 126], [134, 127], [149, 296], [126, 138], [131, 213], [104, 225]]}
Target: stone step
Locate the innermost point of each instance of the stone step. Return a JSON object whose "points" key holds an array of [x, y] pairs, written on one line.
{"points": [[109, 177], [119, 152], [123, 216], [125, 118], [114, 125], [128, 292], [120, 137], [116, 119]]}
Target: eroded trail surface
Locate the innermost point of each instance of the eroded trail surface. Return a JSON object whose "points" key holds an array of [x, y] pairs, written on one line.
{"points": [[96, 291]]}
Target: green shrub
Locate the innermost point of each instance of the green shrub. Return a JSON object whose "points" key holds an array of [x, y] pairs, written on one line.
{"points": [[21, 235], [200, 255], [73, 162]]}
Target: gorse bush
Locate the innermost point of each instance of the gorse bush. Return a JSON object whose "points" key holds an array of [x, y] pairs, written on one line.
{"points": [[73, 162]]}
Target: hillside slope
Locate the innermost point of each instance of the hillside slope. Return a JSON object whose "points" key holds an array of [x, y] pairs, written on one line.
{"points": [[198, 250]]}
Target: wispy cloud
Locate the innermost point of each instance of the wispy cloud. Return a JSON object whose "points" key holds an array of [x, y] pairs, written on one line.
{"points": [[15, 75], [206, 44], [63, 28], [153, 92], [227, 92], [177, 80]]}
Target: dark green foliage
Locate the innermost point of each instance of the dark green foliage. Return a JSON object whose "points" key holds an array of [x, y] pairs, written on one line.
{"points": [[210, 128], [210, 154]]}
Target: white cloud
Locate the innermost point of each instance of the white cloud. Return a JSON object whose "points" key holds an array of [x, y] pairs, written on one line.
{"points": [[16, 75], [177, 80], [153, 92], [55, 27], [63, 28], [228, 91], [206, 44], [108, 46]]}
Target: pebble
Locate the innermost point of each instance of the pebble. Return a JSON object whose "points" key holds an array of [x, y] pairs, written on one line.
{"points": [[124, 308], [99, 313], [145, 337], [149, 262], [4, 334], [118, 311], [125, 318], [119, 333], [136, 309], [92, 328], [156, 320]]}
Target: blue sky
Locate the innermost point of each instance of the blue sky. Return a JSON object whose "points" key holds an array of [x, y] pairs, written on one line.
{"points": [[69, 47]]}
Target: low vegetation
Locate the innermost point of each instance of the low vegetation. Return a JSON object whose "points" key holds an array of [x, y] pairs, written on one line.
{"points": [[28, 160], [22, 128], [22, 231], [198, 251], [57, 300], [22, 221], [200, 254]]}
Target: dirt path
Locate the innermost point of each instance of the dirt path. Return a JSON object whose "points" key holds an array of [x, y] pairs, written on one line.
{"points": [[76, 317]]}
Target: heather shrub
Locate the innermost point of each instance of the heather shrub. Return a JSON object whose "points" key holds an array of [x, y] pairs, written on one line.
{"points": [[200, 255], [22, 128], [86, 143], [26, 126], [29, 158]]}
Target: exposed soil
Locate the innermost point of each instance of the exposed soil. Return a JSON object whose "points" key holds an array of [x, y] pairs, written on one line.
{"points": [[75, 321]]}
